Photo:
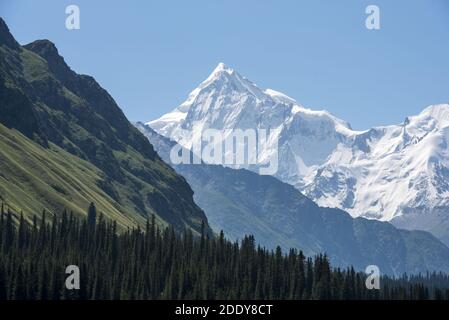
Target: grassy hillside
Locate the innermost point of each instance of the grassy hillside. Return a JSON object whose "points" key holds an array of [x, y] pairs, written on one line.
{"points": [[33, 178]]}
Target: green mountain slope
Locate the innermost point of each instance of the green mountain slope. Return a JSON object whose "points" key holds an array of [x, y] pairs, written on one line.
{"points": [[33, 178], [71, 122], [241, 202]]}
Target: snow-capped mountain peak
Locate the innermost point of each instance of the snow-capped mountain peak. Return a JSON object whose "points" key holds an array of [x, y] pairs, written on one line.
{"points": [[223, 91], [225, 78], [227, 100], [220, 68], [437, 114]]}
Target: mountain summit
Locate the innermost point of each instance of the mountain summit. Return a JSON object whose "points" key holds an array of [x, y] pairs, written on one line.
{"points": [[396, 173], [227, 100], [6, 37]]}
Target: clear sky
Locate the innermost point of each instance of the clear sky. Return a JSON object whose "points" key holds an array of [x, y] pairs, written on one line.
{"points": [[150, 54]]}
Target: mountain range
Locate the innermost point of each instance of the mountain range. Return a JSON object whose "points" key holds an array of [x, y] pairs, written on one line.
{"points": [[397, 173], [241, 202]]}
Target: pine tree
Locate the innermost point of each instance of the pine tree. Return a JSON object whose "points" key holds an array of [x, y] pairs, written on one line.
{"points": [[3, 283], [91, 215]]}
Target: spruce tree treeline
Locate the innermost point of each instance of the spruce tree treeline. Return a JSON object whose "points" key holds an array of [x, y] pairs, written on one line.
{"points": [[160, 264]]}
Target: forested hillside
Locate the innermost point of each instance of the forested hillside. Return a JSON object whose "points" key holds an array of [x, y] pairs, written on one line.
{"points": [[161, 264]]}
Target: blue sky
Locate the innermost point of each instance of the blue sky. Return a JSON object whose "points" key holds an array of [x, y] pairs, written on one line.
{"points": [[150, 54]]}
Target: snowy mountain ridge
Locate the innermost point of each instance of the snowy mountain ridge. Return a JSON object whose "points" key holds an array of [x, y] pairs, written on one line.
{"points": [[381, 173]]}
